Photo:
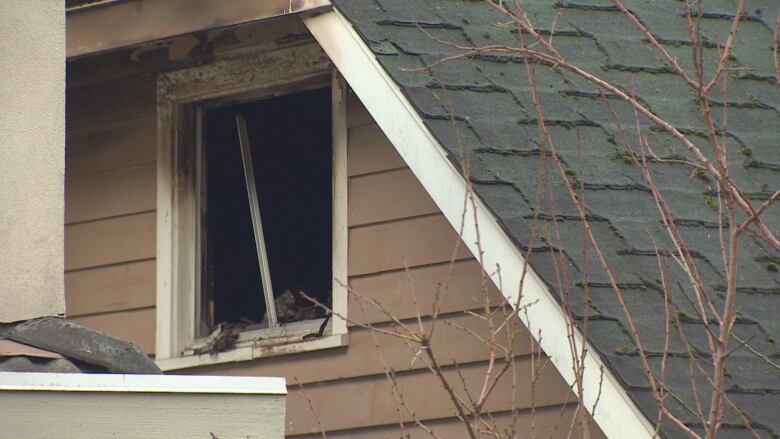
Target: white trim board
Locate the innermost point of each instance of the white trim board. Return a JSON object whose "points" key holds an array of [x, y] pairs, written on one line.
{"points": [[72, 382], [616, 414], [55, 406]]}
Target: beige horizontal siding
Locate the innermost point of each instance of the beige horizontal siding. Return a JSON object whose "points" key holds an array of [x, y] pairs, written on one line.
{"points": [[113, 288], [389, 246], [113, 103], [110, 241], [125, 145], [369, 151], [357, 114], [136, 326], [369, 402], [402, 293], [110, 193], [400, 193], [543, 422]]}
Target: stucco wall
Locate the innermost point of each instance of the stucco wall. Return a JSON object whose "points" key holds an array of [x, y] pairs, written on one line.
{"points": [[32, 156]]}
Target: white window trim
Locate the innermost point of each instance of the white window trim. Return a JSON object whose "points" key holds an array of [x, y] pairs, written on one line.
{"points": [[247, 75]]}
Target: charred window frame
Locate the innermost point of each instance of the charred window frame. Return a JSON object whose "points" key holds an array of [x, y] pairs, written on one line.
{"points": [[188, 330]]}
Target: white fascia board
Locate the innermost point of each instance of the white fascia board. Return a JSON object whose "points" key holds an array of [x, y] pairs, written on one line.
{"points": [[70, 382], [616, 414]]}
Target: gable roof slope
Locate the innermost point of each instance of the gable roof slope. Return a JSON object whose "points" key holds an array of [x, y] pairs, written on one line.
{"points": [[490, 98]]}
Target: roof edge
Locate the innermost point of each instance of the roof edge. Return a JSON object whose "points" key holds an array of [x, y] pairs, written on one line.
{"points": [[616, 414], [107, 25]]}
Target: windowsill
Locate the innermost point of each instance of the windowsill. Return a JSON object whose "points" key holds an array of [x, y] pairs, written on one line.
{"points": [[251, 350]]}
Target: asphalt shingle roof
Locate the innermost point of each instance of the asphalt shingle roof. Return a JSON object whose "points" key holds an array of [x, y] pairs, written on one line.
{"points": [[490, 98]]}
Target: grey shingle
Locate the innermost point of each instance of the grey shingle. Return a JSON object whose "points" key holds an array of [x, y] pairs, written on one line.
{"points": [[491, 99], [401, 67], [464, 72]]}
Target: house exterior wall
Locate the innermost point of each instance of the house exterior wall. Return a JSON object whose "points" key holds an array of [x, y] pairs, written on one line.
{"points": [[110, 277], [32, 85]]}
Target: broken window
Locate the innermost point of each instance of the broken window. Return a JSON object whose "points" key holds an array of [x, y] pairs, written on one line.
{"points": [[251, 207], [266, 216]]}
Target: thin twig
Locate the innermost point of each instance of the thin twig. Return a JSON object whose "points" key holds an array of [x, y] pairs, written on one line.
{"points": [[775, 43], [311, 407]]}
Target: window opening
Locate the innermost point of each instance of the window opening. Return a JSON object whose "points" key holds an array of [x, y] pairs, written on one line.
{"points": [[266, 211]]}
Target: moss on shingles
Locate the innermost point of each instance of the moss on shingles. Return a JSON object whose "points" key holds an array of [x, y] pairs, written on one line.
{"points": [[709, 200], [625, 158]]}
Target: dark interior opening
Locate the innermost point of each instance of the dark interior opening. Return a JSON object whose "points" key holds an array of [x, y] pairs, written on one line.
{"points": [[290, 139]]}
